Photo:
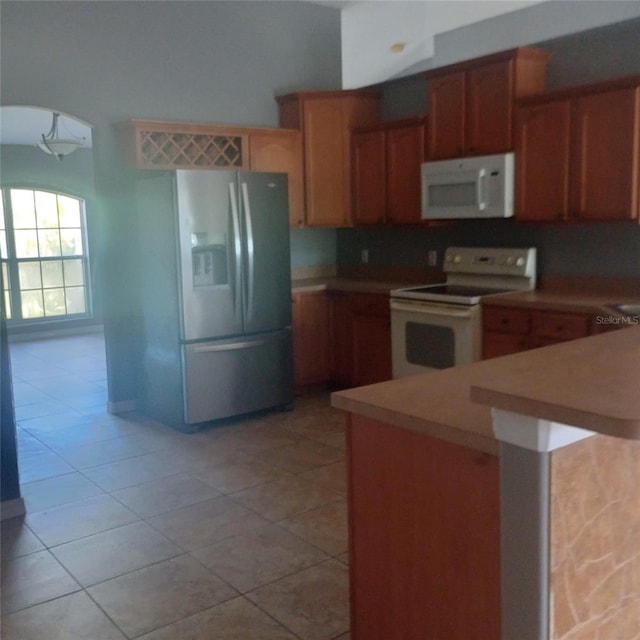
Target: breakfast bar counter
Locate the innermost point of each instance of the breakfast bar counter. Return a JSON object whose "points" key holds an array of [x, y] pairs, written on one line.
{"points": [[499, 499]]}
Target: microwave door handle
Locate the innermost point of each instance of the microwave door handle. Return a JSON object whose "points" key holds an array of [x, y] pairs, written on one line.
{"points": [[481, 190]]}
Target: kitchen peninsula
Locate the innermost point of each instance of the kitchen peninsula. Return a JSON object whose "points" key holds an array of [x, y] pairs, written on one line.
{"points": [[499, 499]]}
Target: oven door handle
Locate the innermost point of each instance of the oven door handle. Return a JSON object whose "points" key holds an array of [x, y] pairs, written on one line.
{"points": [[439, 309]]}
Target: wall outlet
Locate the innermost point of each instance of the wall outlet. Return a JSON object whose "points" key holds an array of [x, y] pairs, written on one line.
{"points": [[432, 258], [364, 256]]}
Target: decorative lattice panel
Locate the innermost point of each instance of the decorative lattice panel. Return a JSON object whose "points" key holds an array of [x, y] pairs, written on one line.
{"points": [[172, 150]]}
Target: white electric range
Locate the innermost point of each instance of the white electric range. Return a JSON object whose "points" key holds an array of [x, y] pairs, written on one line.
{"points": [[440, 325]]}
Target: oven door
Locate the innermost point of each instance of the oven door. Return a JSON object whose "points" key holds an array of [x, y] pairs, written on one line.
{"points": [[433, 335]]}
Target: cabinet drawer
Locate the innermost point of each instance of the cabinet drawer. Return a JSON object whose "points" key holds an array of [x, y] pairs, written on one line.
{"points": [[496, 344], [506, 320], [560, 326]]}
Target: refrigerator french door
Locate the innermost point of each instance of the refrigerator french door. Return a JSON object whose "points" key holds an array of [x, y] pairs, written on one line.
{"points": [[232, 298]]}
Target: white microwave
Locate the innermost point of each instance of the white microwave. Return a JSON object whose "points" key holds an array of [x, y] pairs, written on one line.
{"points": [[477, 187]]}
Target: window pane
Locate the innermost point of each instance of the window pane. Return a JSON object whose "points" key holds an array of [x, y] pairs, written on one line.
{"points": [[32, 306], [3, 233], [29, 273], [52, 273], [26, 244], [75, 300], [71, 242], [54, 302], [69, 211], [5, 282], [49, 243], [44, 226], [46, 210], [24, 213], [73, 273]]}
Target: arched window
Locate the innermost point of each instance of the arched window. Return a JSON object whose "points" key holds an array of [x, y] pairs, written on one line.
{"points": [[45, 264]]}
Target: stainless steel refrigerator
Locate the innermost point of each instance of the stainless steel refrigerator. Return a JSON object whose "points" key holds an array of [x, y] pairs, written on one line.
{"points": [[215, 282]]}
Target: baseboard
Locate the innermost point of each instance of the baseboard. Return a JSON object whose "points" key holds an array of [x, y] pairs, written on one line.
{"points": [[12, 508], [122, 406]]}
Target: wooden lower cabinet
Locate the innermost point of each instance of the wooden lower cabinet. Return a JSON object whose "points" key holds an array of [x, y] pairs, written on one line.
{"points": [[341, 326], [360, 338], [342, 338], [507, 330], [310, 313], [424, 523]]}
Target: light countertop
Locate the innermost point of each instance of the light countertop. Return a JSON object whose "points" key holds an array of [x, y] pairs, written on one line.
{"points": [[569, 301], [593, 383]]}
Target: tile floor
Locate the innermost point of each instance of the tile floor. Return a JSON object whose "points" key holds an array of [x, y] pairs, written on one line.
{"points": [[134, 530]]}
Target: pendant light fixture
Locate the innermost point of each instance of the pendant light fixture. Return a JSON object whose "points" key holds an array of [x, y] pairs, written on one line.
{"points": [[56, 146]]}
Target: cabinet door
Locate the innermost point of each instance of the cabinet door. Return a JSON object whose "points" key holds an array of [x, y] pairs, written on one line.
{"points": [[310, 314], [341, 325], [371, 349], [369, 188], [605, 167], [542, 161], [326, 145], [490, 109], [281, 151], [447, 116], [405, 153], [425, 535], [371, 338]]}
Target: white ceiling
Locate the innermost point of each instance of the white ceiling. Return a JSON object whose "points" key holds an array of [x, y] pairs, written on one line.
{"points": [[25, 126]]}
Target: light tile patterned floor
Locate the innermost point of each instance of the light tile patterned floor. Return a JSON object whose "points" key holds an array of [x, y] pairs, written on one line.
{"points": [[134, 530]]}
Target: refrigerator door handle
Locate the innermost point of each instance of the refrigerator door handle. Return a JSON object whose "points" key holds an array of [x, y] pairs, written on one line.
{"points": [[237, 250], [230, 347], [250, 251]]}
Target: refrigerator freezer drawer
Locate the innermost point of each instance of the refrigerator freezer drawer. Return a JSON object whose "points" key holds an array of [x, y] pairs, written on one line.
{"points": [[224, 378]]}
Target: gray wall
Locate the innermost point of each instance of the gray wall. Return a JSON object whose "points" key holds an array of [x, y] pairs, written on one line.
{"points": [[219, 62], [603, 249]]}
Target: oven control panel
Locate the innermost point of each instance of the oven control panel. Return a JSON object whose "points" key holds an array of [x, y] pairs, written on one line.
{"points": [[517, 262]]}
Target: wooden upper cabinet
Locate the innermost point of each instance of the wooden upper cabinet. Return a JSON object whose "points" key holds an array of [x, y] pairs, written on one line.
{"points": [[447, 116], [405, 154], [490, 107], [168, 146], [326, 119], [369, 177], [386, 172], [578, 153], [280, 150], [604, 181], [542, 161], [471, 104]]}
